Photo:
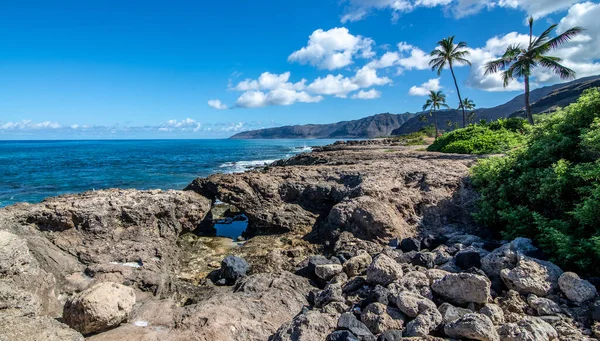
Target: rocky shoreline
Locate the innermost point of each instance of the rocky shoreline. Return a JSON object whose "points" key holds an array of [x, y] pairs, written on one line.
{"points": [[354, 241]]}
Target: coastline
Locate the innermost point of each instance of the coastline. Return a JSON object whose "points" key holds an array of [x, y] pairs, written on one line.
{"points": [[348, 234]]}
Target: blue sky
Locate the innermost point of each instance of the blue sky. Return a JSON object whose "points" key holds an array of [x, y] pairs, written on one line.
{"points": [[192, 69]]}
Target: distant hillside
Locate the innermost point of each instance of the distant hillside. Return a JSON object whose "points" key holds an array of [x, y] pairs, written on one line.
{"points": [[545, 99], [368, 127]]}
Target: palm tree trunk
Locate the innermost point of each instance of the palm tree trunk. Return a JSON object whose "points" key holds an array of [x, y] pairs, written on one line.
{"points": [[459, 98], [435, 123], [527, 105]]}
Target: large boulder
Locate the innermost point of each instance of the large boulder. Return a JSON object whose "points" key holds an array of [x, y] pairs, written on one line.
{"points": [[101, 307], [379, 317], [576, 289], [532, 276], [233, 267], [347, 321], [463, 288], [413, 304], [424, 323], [506, 256], [472, 326], [14, 254], [357, 265], [383, 270]]}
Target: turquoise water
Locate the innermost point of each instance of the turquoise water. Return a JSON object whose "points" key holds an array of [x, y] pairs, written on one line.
{"points": [[33, 170]]}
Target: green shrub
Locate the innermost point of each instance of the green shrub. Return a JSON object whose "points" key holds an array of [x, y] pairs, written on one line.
{"points": [[549, 190], [497, 137]]}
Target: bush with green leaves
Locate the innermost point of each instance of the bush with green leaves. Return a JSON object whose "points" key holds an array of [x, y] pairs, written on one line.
{"points": [[496, 137], [549, 190]]}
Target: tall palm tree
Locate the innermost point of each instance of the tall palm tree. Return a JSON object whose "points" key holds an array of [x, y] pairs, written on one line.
{"points": [[435, 101], [450, 54], [468, 105], [519, 62]]}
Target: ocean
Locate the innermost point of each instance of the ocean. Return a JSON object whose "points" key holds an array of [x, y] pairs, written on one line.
{"points": [[33, 170]]}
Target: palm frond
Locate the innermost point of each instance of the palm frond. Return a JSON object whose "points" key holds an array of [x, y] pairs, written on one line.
{"points": [[553, 64], [543, 38], [565, 37]]}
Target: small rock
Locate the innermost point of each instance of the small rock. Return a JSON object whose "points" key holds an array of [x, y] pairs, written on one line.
{"points": [[576, 289], [309, 326], [596, 311], [354, 284], [101, 307], [463, 288], [357, 266], [331, 293], [451, 313], [532, 276], [390, 335], [436, 274], [512, 302], [379, 294], [423, 324], [413, 304], [349, 322], [416, 282], [494, 312], [596, 329], [410, 244], [472, 326], [341, 335], [383, 270], [543, 306], [431, 242], [327, 271], [528, 328], [380, 317], [468, 258], [424, 259], [233, 267], [506, 256]]}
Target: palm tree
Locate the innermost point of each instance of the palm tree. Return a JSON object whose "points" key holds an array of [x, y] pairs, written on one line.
{"points": [[448, 53], [468, 105], [435, 101], [519, 62]]}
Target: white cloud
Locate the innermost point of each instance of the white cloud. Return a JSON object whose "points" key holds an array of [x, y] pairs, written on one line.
{"points": [[367, 77], [259, 99], [387, 60], [185, 125], [333, 49], [425, 88], [371, 94], [29, 125], [217, 104], [338, 86], [412, 57], [270, 81], [356, 10]]}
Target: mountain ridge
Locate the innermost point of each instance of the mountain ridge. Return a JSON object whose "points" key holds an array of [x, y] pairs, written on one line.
{"points": [[543, 99]]}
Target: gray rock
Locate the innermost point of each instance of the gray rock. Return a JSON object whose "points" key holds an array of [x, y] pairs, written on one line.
{"points": [[413, 304], [506, 256], [379, 318], [416, 282], [40, 328], [347, 321], [341, 335], [596, 311], [424, 323], [390, 335], [463, 288], [357, 266], [528, 328], [331, 293], [494, 313], [306, 327], [576, 289], [451, 313], [379, 294], [17, 302], [468, 258], [410, 244], [543, 306], [424, 259], [383, 270], [532, 276], [327, 271], [101, 307], [472, 326], [354, 284], [233, 267]]}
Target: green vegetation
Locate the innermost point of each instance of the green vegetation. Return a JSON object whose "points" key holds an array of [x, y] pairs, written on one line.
{"points": [[417, 138], [519, 62], [448, 54], [497, 137], [549, 190]]}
